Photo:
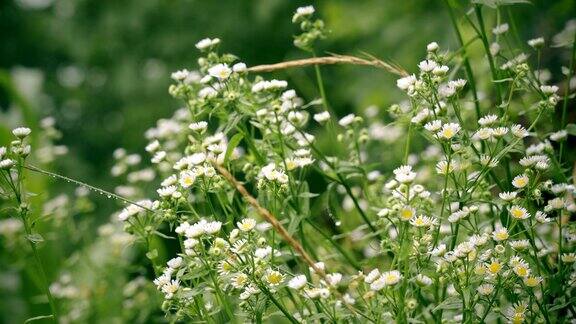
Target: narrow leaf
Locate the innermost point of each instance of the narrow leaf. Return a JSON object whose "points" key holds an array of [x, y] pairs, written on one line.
{"points": [[234, 141]]}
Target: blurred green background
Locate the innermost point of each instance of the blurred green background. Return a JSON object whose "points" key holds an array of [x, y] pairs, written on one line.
{"points": [[102, 68]]}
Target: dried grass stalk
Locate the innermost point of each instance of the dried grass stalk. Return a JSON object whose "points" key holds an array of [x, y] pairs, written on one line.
{"points": [[328, 60], [270, 218]]}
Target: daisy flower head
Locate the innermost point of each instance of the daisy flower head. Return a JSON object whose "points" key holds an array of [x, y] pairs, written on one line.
{"points": [[500, 234], [21, 132], [433, 126], [520, 245], [187, 178], [423, 280], [485, 289], [6, 164], [500, 29], [322, 117], [568, 257], [536, 42], [519, 131], [448, 131], [406, 213], [494, 266], [531, 281], [273, 277], [298, 282], [520, 181], [372, 276], [391, 277], [302, 12], [407, 82], [247, 224], [432, 47], [508, 195], [199, 127], [519, 213], [207, 43], [427, 66], [347, 120], [423, 221], [522, 269], [487, 120], [549, 89], [220, 71], [180, 75], [239, 67], [212, 227], [167, 191], [404, 174], [483, 133], [239, 280], [443, 167]]}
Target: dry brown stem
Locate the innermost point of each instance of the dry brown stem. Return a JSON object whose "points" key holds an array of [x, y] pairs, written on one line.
{"points": [[267, 215], [328, 60]]}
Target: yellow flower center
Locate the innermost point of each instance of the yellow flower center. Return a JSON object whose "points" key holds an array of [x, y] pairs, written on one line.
{"points": [[390, 279], [406, 213], [521, 182], [274, 278], [447, 132], [291, 165], [531, 282], [188, 181], [494, 267], [521, 271], [517, 213]]}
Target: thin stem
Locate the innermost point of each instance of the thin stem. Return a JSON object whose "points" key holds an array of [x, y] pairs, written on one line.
{"points": [[20, 198], [484, 37], [467, 65], [43, 277], [566, 96], [320, 84]]}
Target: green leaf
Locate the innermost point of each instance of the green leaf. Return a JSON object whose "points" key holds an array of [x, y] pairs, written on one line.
{"points": [[449, 303], [308, 195], [503, 80], [571, 129], [234, 141], [36, 318], [164, 235], [563, 305], [495, 3], [35, 238]]}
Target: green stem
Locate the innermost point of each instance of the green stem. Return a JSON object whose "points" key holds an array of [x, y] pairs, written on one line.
{"points": [[407, 146], [566, 94], [320, 83], [484, 37], [20, 196], [43, 277], [467, 65]]}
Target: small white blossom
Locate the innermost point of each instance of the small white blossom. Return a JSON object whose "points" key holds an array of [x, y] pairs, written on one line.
{"points": [[427, 66], [322, 117], [21, 132], [298, 282], [404, 174], [500, 29], [207, 42], [220, 71]]}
